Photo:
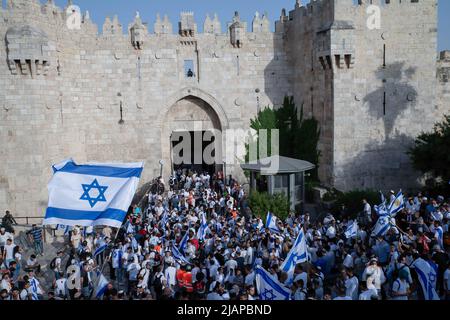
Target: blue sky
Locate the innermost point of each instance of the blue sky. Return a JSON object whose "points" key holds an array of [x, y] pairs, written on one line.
{"points": [[125, 9]]}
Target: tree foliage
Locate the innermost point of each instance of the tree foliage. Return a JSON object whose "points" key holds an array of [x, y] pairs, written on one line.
{"points": [[299, 137], [431, 152], [261, 203]]}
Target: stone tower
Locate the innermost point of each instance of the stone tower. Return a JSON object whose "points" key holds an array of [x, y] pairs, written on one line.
{"points": [[367, 72]]}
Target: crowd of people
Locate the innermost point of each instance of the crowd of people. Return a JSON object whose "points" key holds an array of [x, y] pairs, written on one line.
{"points": [[199, 240]]}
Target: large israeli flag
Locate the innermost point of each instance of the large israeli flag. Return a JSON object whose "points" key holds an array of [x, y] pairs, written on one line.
{"points": [[91, 194], [298, 254], [271, 222], [427, 278], [270, 288]]}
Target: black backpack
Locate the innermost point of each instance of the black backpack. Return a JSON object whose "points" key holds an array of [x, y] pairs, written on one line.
{"points": [[53, 264], [157, 283]]}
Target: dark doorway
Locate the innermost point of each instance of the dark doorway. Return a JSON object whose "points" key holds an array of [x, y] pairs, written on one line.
{"points": [[192, 151]]}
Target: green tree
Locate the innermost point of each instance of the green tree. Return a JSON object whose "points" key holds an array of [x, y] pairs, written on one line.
{"points": [[431, 152], [261, 203], [299, 137]]}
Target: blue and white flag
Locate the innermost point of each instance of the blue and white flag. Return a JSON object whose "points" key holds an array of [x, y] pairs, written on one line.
{"points": [[298, 254], [268, 287], [129, 228], [100, 249], [397, 205], [427, 278], [178, 256], [381, 209], [183, 243], [91, 194], [101, 286], [271, 222], [63, 227], [201, 233], [352, 230], [382, 226]]}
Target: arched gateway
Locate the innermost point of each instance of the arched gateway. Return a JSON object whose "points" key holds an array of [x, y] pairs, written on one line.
{"points": [[191, 132]]}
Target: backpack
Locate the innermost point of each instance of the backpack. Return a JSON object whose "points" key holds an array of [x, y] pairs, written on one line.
{"points": [[157, 283], [53, 264]]}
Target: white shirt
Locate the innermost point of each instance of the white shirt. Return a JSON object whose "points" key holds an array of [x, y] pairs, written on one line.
{"points": [[10, 251], [368, 294], [61, 286], [352, 287], [400, 287], [303, 276], [447, 278], [170, 275], [4, 237], [343, 298]]}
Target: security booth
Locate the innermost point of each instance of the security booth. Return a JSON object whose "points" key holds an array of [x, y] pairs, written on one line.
{"points": [[278, 174]]}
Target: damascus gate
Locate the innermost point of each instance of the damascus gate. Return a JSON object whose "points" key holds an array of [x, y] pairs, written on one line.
{"points": [[120, 93]]}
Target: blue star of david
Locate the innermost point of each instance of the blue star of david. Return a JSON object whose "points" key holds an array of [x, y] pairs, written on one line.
{"points": [[87, 196], [268, 294], [432, 277]]}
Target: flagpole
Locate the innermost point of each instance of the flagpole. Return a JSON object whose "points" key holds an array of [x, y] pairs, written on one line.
{"points": [[105, 261]]}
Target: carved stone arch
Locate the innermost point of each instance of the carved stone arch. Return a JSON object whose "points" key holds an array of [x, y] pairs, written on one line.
{"points": [[197, 93], [176, 116]]}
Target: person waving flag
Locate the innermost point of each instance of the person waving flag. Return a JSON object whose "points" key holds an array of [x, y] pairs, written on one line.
{"points": [[91, 194], [269, 288], [298, 254], [271, 222]]}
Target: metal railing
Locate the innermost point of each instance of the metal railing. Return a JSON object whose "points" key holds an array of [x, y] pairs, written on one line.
{"points": [[34, 220]]}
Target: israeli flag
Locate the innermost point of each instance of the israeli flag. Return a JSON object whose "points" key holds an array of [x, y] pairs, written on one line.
{"points": [[352, 230], [183, 242], [268, 287], [382, 226], [101, 286], [427, 278], [178, 256], [201, 233], [63, 227], [100, 249], [381, 209], [271, 222], [298, 254], [397, 205], [91, 194]]}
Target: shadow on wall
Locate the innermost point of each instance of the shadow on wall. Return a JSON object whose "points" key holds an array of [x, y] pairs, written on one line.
{"points": [[381, 167], [395, 96]]}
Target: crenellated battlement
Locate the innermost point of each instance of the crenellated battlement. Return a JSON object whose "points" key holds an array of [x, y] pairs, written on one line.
{"points": [[50, 13]]}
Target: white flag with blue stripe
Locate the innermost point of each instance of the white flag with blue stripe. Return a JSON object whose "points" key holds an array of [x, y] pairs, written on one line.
{"points": [[271, 222], [183, 243], [382, 226], [201, 233], [100, 249], [269, 288], [352, 230], [178, 256], [91, 194], [101, 286], [298, 254], [427, 277], [397, 205]]}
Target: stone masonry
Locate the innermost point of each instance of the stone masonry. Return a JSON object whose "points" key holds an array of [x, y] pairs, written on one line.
{"points": [[62, 90]]}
